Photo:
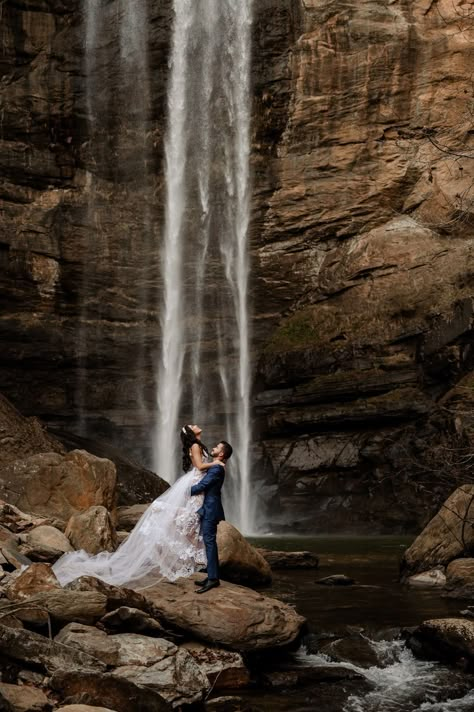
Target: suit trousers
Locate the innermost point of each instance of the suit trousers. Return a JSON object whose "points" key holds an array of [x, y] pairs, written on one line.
{"points": [[209, 534]]}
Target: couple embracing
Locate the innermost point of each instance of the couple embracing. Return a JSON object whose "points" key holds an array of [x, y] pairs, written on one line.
{"points": [[175, 536]]}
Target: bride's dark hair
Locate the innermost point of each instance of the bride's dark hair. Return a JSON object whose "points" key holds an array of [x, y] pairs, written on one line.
{"points": [[188, 438]]}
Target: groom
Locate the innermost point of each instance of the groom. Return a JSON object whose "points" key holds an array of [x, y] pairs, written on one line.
{"points": [[211, 512]]}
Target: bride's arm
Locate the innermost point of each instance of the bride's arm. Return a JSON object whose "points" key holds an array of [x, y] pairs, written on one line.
{"points": [[196, 457]]}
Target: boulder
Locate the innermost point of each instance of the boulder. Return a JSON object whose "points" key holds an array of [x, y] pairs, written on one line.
{"points": [[63, 606], [117, 693], [230, 703], [335, 580], [32, 648], [92, 530], [435, 578], [290, 559], [232, 616], [44, 543], [154, 662], [127, 517], [116, 597], [445, 639], [177, 678], [355, 650], [36, 578], [55, 485], [23, 698], [16, 521], [447, 535], [133, 620], [239, 561], [460, 578], [223, 668]]}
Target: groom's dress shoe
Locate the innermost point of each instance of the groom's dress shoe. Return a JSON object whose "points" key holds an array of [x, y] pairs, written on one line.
{"points": [[211, 583], [202, 582]]}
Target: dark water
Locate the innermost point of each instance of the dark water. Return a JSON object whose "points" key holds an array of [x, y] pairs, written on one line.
{"points": [[374, 609]]}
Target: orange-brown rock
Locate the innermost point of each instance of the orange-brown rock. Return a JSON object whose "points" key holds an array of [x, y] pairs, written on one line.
{"points": [[57, 485], [35, 579], [240, 562], [235, 617], [92, 530], [449, 535]]}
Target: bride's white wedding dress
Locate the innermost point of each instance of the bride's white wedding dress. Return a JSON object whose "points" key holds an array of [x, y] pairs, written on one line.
{"points": [[165, 544]]}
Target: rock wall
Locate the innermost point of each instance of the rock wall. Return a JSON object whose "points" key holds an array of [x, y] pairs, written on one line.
{"points": [[361, 246]]}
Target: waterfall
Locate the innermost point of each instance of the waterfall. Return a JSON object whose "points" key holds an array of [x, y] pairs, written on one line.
{"points": [[204, 372], [118, 177]]}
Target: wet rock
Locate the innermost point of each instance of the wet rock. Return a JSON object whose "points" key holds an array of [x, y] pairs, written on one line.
{"points": [[356, 650], [335, 580], [460, 578], [224, 669], [92, 530], [127, 517], [133, 620], [101, 689], [446, 639], [55, 485], [36, 578], [239, 561], [235, 617], [22, 698], [448, 534], [308, 675], [290, 559], [31, 648], [435, 578]]}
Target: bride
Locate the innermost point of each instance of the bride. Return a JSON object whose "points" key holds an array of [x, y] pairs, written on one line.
{"points": [[166, 541]]}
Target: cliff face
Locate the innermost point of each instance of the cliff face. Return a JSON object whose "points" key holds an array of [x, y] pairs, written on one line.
{"points": [[361, 245], [365, 245]]}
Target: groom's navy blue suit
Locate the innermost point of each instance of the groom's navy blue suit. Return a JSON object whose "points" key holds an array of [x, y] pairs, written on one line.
{"points": [[211, 514]]}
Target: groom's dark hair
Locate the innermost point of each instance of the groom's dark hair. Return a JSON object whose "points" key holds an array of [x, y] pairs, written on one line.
{"points": [[226, 449]]}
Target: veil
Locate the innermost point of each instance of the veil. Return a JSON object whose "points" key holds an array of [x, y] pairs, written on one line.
{"points": [[165, 543]]}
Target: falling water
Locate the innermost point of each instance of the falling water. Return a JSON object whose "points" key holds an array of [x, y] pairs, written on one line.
{"points": [[117, 108], [204, 373]]}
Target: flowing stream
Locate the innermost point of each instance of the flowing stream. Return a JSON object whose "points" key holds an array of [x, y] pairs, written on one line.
{"points": [[204, 372], [367, 617]]}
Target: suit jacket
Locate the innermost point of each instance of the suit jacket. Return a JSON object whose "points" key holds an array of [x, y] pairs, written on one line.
{"points": [[211, 485]]}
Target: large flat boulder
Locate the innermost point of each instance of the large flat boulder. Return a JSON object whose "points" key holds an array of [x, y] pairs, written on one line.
{"points": [[239, 561], [233, 616], [447, 536], [58, 486]]}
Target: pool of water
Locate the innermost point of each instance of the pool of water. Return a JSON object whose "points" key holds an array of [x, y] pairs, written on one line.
{"points": [[376, 607]]}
